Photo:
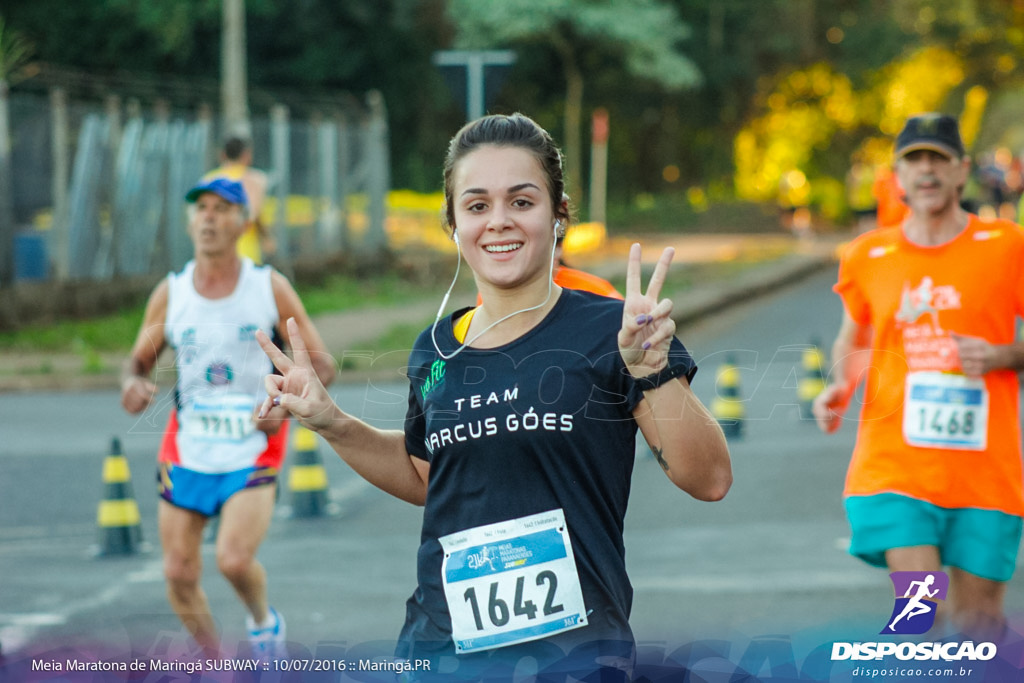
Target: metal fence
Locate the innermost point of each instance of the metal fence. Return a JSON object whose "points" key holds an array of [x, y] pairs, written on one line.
{"points": [[98, 191]]}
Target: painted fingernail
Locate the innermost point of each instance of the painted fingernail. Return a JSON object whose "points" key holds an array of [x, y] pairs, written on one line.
{"points": [[646, 345], [641, 319], [276, 401], [263, 411]]}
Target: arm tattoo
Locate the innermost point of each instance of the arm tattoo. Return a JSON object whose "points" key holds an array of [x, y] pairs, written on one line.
{"points": [[660, 458]]}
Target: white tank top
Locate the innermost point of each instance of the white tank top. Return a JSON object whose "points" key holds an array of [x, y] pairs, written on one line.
{"points": [[221, 367]]}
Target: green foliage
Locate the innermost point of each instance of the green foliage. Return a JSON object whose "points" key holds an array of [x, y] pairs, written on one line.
{"points": [[14, 51], [106, 333], [92, 363], [170, 24], [390, 351], [647, 33], [639, 59], [639, 40], [342, 292], [116, 332], [677, 213]]}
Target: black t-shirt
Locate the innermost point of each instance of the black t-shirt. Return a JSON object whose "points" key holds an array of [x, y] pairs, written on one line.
{"points": [[542, 423]]}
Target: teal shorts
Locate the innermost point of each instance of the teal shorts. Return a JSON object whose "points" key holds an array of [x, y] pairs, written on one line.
{"points": [[980, 542]]}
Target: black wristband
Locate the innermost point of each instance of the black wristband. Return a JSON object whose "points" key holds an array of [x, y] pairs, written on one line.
{"points": [[656, 379]]}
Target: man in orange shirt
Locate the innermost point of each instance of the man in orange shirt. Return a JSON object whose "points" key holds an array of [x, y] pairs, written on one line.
{"points": [[930, 304], [891, 209]]}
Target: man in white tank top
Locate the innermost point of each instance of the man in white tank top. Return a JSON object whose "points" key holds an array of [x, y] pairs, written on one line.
{"points": [[218, 456]]}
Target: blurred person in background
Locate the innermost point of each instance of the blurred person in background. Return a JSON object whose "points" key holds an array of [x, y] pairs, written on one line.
{"points": [[216, 457], [890, 207], [236, 164], [573, 278], [930, 305]]}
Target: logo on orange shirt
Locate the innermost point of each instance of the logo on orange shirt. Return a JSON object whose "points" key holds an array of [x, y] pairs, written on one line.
{"points": [[926, 298]]}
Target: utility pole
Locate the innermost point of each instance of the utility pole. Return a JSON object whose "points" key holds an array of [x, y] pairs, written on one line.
{"points": [[233, 93], [474, 62], [598, 166]]}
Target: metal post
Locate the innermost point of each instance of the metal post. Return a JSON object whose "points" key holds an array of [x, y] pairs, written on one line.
{"points": [[234, 97], [378, 180], [61, 182], [474, 62], [7, 231], [344, 178], [280, 164], [599, 166], [312, 184], [326, 141]]}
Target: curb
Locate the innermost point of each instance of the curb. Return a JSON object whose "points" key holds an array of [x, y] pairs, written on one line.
{"points": [[703, 303]]}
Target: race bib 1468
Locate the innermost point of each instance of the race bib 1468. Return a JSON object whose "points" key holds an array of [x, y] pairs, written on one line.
{"points": [[943, 410]]}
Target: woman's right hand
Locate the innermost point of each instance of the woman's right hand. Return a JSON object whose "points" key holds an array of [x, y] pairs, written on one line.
{"points": [[297, 390]]}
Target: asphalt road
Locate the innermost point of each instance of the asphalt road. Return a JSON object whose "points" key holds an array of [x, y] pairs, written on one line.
{"points": [[766, 565]]}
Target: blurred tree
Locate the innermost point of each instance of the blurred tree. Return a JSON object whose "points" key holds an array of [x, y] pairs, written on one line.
{"points": [[306, 52], [159, 37], [361, 45], [744, 48], [645, 34]]}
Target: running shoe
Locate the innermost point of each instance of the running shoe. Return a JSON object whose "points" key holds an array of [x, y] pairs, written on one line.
{"points": [[267, 642]]}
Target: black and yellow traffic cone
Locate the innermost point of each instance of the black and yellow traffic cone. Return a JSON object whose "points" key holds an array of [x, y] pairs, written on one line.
{"points": [[307, 478], [813, 380], [120, 529], [727, 406]]}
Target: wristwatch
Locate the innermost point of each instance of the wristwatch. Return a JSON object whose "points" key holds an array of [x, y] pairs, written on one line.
{"points": [[656, 379]]}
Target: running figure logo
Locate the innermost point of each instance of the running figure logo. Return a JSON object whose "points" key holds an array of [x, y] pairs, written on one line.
{"points": [[916, 302], [926, 298], [914, 612]]}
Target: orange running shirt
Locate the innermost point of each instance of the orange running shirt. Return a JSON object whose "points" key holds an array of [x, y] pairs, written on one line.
{"points": [[571, 278], [922, 429], [890, 209], [588, 282]]}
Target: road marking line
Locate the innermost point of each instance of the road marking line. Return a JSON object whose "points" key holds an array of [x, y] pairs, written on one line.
{"points": [[23, 628]]}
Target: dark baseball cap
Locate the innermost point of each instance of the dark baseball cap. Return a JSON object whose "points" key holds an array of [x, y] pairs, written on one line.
{"points": [[226, 188], [937, 132]]}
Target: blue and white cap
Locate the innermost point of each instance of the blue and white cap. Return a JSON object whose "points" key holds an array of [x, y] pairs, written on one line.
{"points": [[231, 190]]}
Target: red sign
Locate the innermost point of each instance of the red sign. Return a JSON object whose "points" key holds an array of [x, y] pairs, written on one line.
{"points": [[599, 125]]}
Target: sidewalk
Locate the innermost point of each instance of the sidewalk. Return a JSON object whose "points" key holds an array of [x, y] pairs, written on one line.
{"points": [[732, 268]]}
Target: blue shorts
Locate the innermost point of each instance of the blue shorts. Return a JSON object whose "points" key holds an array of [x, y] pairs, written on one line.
{"points": [[206, 493], [980, 542]]}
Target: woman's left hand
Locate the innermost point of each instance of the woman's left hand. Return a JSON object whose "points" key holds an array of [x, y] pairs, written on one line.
{"points": [[647, 325]]}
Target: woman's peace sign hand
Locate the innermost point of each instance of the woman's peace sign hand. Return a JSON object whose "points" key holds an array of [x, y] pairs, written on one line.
{"points": [[297, 389], [647, 325]]}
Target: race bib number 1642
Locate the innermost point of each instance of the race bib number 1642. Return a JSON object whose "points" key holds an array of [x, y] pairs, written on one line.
{"points": [[511, 582]]}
